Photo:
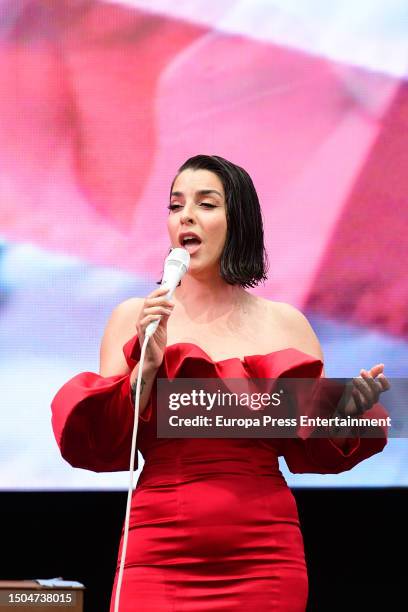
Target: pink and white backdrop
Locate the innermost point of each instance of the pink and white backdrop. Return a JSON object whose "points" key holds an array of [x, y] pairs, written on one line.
{"points": [[100, 102]]}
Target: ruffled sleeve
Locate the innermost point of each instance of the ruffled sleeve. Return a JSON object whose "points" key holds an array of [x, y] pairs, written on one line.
{"points": [[93, 417], [324, 455], [307, 452]]}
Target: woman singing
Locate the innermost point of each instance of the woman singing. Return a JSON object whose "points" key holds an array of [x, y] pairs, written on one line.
{"points": [[213, 524]]}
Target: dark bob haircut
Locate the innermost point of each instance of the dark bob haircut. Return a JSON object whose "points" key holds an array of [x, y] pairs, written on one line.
{"points": [[244, 260]]}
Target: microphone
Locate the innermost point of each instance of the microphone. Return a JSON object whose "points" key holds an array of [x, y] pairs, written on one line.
{"points": [[175, 266]]}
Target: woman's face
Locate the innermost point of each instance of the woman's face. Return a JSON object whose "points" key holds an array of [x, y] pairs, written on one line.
{"points": [[197, 205]]}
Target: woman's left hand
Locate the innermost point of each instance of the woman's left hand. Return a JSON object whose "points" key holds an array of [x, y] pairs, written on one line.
{"points": [[366, 390]]}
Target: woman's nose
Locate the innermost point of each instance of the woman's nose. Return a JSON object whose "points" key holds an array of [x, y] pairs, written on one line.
{"points": [[186, 215]]}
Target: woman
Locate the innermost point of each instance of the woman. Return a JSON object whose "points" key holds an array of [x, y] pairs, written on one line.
{"points": [[213, 525]]}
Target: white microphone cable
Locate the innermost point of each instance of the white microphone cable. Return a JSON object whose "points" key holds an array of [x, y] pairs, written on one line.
{"points": [[131, 473], [176, 265]]}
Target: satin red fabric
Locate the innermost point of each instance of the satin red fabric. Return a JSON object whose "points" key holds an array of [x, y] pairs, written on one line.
{"points": [[213, 524]]}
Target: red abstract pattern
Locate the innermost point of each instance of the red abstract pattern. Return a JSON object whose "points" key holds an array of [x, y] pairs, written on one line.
{"points": [[100, 103]]}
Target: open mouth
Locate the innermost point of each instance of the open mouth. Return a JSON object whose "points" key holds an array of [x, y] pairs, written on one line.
{"points": [[191, 244]]}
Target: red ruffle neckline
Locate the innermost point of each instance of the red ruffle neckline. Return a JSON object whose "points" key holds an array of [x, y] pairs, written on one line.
{"points": [[180, 359]]}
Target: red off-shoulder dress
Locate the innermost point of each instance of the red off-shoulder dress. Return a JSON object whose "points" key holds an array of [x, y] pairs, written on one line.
{"points": [[213, 524]]}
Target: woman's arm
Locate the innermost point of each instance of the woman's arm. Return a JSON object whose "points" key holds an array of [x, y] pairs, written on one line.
{"points": [[93, 414], [119, 329], [331, 454]]}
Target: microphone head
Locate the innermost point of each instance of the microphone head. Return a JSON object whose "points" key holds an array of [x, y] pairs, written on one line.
{"points": [[179, 255], [175, 266]]}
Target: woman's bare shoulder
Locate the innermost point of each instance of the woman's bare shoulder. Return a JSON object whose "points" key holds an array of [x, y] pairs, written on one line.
{"points": [[276, 309], [119, 329], [123, 318], [282, 309], [296, 325], [129, 306]]}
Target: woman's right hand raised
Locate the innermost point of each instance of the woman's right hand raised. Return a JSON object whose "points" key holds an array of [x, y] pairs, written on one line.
{"points": [[155, 304]]}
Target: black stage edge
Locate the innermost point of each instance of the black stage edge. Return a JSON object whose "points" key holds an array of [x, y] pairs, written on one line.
{"points": [[355, 541]]}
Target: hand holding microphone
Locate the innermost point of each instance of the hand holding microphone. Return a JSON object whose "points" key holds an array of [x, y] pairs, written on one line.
{"points": [[157, 307]]}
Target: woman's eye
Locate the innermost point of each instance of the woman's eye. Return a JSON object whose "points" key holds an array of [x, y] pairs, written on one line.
{"points": [[175, 206]]}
